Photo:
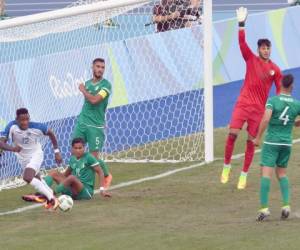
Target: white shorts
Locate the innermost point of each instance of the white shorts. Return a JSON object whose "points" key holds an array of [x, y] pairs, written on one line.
{"points": [[34, 162]]}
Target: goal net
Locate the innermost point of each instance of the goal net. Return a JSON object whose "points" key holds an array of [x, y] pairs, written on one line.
{"points": [[156, 111]]}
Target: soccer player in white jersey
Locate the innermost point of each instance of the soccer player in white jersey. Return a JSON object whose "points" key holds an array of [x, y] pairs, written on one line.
{"points": [[27, 135]]}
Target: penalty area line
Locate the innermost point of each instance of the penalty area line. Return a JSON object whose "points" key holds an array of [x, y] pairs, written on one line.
{"points": [[138, 181]]}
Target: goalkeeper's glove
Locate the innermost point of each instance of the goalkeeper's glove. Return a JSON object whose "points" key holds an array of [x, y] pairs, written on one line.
{"points": [[241, 14]]}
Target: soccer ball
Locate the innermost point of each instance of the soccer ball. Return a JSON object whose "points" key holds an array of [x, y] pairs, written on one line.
{"points": [[65, 202]]}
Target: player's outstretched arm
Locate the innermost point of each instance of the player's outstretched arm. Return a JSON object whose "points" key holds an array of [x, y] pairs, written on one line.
{"points": [[53, 139], [278, 78], [93, 99], [7, 147], [99, 174], [242, 14], [263, 126]]}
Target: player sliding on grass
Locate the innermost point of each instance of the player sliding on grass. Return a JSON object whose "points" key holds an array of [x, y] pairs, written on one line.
{"points": [[280, 114], [27, 135], [78, 180], [91, 121], [261, 72]]}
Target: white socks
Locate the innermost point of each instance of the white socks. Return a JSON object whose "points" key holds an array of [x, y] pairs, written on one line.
{"points": [[46, 185], [42, 187]]}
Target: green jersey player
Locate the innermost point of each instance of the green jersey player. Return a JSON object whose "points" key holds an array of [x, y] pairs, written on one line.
{"points": [[78, 180], [91, 121], [279, 120]]}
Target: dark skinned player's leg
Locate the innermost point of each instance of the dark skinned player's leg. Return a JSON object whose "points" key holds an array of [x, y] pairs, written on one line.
{"points": [[32, 178]]}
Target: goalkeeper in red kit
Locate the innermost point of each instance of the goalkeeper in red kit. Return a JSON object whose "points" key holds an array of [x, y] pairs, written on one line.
{"points": [[261, 72]]}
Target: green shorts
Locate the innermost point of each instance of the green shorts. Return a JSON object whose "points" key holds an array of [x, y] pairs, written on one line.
{"points": [[275, 155], [85, 194], [93, 136]]}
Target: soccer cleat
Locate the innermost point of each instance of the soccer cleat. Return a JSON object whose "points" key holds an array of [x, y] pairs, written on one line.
{"points": [[38, 198], [52, 204], [242, 182], [225, 174], [263, 214], [285, 212], [107, 181]]}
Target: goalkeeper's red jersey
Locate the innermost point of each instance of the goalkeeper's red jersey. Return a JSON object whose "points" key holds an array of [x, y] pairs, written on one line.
{"points": [[259, 78]]}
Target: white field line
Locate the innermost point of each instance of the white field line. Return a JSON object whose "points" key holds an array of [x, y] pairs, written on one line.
{"points": [[134, 182]]}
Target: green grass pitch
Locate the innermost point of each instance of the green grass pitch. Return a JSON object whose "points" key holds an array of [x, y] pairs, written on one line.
{"points": [[189, 210]]}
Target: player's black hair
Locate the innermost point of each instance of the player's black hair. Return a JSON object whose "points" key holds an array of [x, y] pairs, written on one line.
{"points": [[78, 140], [263, 41], [21, 111], [287, 80], [101, 60]]}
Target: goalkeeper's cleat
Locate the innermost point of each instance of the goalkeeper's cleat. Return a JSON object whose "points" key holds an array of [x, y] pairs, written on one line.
{"points": [[225, 174], [285, 212], [52, 204], [242, 182], [107, 181], [263, 214], [38, 198]]}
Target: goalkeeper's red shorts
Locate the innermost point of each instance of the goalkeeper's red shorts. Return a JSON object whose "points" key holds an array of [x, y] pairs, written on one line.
{"points": [[246, 113]]}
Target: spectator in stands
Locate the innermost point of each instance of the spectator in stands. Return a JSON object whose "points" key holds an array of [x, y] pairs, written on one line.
{"points": [[168, 15], [193, 13]]}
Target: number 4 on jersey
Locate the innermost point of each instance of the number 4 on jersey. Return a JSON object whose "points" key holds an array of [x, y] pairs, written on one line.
{"points": [[284, 117]]}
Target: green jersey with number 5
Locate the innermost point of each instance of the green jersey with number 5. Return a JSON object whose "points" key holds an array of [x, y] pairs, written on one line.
{"points": [[285, 110]]}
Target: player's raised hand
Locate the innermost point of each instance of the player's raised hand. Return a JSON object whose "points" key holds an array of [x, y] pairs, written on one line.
{"points": [[58, 158], [241, 14], [81, 87]]}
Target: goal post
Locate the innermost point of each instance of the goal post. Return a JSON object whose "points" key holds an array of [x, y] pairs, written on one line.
{"points": [[161, 108], [208, 82]]}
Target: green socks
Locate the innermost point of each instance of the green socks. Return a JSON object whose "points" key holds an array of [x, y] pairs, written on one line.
{"points": [[265, 184], [49, 180], [285, 190], [104, 168]]}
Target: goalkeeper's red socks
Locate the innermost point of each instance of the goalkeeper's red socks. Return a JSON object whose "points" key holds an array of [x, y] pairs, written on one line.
{"points": [[250, 148], [229, 148]]}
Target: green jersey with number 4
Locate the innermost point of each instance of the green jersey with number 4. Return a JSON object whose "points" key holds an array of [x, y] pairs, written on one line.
{"points": [[94, 114], [83, 168], [285, 110]]}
